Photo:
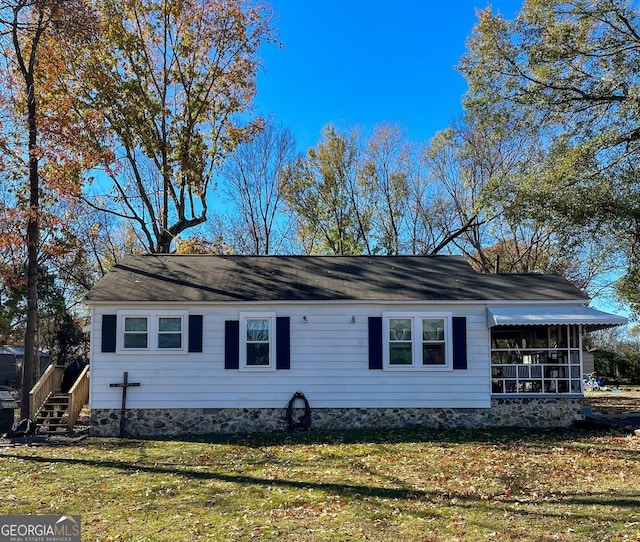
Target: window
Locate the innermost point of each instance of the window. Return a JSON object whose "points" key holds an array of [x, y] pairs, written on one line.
{"points": [[257, 341], [536, 359], [433, 343], [400, 341], [136, 332], [169, 332], [417, 341], [144, 331]]}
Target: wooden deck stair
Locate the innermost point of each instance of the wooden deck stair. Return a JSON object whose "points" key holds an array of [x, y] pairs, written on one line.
{"points": [[53, 410], [53, 417]]}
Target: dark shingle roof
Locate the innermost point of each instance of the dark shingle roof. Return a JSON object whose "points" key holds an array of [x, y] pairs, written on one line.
{"points": [[191, 278]]}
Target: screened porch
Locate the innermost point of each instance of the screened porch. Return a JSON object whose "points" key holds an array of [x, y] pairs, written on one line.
{"points": [[538, 350]]}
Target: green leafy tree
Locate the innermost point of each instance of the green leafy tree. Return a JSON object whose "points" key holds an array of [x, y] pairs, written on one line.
{"points": [[323, 192], [568, 70], [14, 300], [616, 355], [69, 343], [478, 166]]}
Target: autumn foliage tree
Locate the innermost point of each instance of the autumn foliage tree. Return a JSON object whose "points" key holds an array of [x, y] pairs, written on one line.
{"points": [[171, 80], [26, 25]]}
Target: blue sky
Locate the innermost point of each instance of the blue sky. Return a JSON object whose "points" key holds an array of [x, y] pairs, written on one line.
{"points": [[363, 63]]}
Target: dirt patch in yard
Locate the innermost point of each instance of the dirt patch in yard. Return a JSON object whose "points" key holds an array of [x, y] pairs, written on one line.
{"points": [[614, 402]]}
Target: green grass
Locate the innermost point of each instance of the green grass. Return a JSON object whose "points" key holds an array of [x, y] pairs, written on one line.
{"points": [[395, 486]]}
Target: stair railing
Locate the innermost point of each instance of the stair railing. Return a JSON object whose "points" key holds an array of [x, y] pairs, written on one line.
{"points": [[78, 397], [49, 383]]}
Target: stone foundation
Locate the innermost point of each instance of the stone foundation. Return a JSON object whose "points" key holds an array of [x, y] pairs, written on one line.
{"points": [[514, 412]]}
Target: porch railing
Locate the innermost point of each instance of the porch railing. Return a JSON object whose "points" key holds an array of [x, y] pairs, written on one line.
{"points": [[527, 378], [78, 396], [49, 383]]}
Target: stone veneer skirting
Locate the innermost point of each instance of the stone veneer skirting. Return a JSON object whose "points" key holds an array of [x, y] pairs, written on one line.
{"points": [[514, 412]]}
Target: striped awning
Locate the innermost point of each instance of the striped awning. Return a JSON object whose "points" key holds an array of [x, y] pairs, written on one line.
{"points": [[544, 315]]}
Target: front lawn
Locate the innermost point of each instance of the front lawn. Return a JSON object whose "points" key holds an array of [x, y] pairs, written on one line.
{"points": [[614, 401], [396, 486]]}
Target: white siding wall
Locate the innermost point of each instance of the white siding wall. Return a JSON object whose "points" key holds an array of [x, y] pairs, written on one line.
{"points": [[329, 364]]}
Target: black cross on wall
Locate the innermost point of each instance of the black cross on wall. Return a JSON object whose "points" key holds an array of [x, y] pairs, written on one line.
{"points": [[124, 385]]}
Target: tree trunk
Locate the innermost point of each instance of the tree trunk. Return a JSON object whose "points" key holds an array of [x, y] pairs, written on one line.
{"points": [[33, 241], [163, 243], [30, 356]]}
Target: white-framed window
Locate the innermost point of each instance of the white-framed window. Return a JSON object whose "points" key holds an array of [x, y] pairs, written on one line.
{"points": [[416, 341], [257, 341], [136, 332], [152, 331], [170, 332]]}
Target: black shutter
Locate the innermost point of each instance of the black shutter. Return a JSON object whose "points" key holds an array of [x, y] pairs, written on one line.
{"points": [[232, 344], [109, 332], [459, 332], [283, 343], [375, 342], [195, 333]]}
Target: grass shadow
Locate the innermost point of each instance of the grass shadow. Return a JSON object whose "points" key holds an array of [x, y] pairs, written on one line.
{"points": [[502, 435], [628, 500]]}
